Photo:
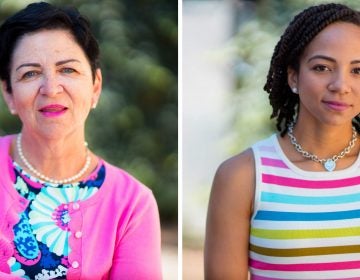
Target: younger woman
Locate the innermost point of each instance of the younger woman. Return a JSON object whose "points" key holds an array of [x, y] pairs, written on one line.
{"points": [[289, 207]]}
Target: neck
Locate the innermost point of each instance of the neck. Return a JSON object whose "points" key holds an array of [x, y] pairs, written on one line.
{"points": [[53, 161], [329, 161], [325, 140]]}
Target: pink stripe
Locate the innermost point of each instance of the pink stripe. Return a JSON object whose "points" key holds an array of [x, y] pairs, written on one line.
{"points": [[273, 162], [258, 277], [298, 183], [305, 266], [270, 149]]}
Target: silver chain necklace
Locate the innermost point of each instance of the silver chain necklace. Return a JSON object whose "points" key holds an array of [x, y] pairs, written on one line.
{"points": [[47, 179], [329, 163]]}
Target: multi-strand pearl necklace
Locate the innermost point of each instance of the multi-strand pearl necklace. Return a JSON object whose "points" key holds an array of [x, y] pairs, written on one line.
{"points": [[329, 163], [47, 179]]}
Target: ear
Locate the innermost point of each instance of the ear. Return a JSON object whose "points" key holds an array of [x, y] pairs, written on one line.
{"points": [[292, 76], [97, 88], [8, 97]]}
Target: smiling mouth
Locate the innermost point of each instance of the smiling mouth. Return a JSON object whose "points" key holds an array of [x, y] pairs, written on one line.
{"points": [[337, 106], [53, 110]]}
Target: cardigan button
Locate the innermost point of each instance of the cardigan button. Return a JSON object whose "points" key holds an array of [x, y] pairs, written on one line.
{"points": [[76, 206], [75, 264], [78, 234]]}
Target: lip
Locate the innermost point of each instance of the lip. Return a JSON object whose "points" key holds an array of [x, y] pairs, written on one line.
{"points": [[53, 110], [336, 105]]}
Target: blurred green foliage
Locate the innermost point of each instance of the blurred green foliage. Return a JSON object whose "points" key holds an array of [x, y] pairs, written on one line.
{"points": [[135, 124], [259, 25]]}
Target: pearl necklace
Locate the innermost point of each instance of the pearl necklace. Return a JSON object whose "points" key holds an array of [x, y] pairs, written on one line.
{"points": [[47, 179], [329, 163]]}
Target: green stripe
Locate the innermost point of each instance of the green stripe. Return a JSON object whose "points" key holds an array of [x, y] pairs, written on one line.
{"points": [[305, 233], [298, 252]]}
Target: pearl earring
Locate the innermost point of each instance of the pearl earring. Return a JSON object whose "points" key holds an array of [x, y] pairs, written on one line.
{"points": [[294, 90], [12, 111], [93, 106]]}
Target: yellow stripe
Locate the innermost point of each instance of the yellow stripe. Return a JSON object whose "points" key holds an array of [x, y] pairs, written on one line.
{"points": [[304, 233]]}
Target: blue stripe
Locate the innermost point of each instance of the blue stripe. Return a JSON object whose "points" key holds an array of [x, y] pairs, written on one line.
{"points": [[298, 216], [306, 200]]}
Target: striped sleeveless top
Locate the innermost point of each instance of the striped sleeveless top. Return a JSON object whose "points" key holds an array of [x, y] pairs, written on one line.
{"points": [[305, 225]]}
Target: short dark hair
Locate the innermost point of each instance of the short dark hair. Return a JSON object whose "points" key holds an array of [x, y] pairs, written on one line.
{"points": [[300, 32], [44, 16]]}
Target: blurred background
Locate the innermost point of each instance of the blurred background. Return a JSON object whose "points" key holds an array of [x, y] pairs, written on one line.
{"points": [[135, 124], [226, 51]]}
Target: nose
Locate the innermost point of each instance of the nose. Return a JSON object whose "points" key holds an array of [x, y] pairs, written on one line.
{"points": [[340, 83], [50, 85]]}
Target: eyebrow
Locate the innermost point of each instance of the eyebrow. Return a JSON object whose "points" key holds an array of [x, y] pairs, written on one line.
{"points": [[330, 59], [38, 65]]}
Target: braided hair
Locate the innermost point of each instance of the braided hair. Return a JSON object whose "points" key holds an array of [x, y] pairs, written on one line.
{"points": [[301, 30]]}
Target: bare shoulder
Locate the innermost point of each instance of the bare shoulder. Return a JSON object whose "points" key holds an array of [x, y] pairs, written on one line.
{"points": [[237, 163], [236, 174]]}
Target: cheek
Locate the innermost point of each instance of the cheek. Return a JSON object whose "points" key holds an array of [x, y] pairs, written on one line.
{"points": [[24, 97], [312, 90], [21, 98]]}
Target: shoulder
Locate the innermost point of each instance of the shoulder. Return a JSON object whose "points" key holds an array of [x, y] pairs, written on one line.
{"points": [[121, 185], [236, 169], [234, 181], [243, 164], [118, 176], [5, 142], [237, 162]]}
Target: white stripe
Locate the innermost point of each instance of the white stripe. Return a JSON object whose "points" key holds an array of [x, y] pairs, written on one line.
{"points": [[296, 225], [310, 192], [306, 259], [270, 206]]}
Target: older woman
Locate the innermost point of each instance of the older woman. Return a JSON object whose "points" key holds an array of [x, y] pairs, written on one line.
{"points": [[65, 212]]}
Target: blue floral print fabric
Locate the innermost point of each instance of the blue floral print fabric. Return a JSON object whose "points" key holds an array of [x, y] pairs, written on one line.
{"points": [[41, 237]]}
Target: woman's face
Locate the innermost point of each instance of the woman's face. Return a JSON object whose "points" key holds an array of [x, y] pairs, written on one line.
{"points": [[52, 85], [328, 80]]}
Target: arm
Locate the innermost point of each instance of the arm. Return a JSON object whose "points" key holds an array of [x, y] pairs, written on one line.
{"points": [[228, 220], [138, 255]]}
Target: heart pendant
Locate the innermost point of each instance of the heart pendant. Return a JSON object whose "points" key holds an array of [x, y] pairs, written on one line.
{"points": [[329, 165]]}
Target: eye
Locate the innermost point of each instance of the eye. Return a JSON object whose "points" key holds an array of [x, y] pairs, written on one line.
{"points": [[321, 68], [67, 70], [30, 74], [356, 71]]}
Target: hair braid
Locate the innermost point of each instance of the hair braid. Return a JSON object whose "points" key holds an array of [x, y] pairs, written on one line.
{"points": [[300, 32]]}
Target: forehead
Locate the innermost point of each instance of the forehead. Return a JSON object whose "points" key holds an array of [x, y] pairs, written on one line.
{"points": [[337, 39], [46, 45]]}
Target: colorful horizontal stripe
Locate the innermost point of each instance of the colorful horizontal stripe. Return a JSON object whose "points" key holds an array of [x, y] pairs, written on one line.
{"points": [[259, 277], [297, 252], [303, 216], [273, 162], [305, 225], [304, 233], [309, 200], [305, 266], [312, 184]]}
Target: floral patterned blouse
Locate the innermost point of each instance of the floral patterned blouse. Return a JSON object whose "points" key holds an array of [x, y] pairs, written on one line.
{"points": [[41, 245]]}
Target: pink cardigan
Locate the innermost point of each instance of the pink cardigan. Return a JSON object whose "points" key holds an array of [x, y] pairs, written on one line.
{"points": [[119, 225]]}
